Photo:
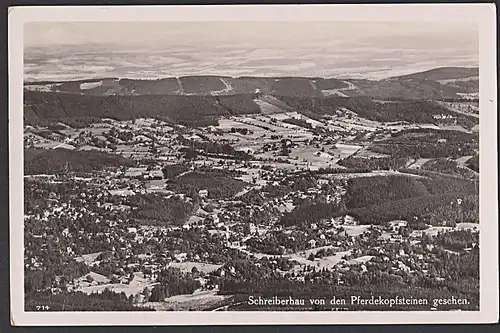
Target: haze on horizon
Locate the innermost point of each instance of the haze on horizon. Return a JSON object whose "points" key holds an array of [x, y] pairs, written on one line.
{"points": [[323, 49]]}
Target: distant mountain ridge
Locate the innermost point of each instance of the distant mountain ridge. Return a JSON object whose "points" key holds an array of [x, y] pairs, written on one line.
{"points": [[439, 83], [201, 100], [442, 73], [438, 73]]}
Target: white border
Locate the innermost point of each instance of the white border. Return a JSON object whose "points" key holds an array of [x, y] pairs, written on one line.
{"points": [[482, 14]]}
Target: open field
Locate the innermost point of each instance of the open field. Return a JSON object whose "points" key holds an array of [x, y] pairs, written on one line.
{"points": [[355, 230], [418, 163], [268, 108], [100, 283], [88, 259], [199, 300], [364, 152], [328, 262], [360, 260], [201, 267]]}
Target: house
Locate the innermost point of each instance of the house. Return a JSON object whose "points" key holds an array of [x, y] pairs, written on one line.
{"points": [[124, 279], [394, 226], [215, 218], [349, 219], [341, 232]]}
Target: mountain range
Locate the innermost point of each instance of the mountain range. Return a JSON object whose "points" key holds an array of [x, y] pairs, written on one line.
{"points": [[191, 99]]}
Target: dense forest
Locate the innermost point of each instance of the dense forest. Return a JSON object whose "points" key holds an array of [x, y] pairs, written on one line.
{"points": [[367, 191], [173, 170], [43, 107], [373, 163], [201, 84], [425, 143], [442, 73], [239, 104], [425, 195], [218, 185], [467, 86], [213, 149], [163, 98], [413, 111], [299, 182], [439, 183], [462, 272], [295, 87], [423, 85], [378, 199], [458, 240], [63, 266], [57, 161], [163, 86], [157, 209], [449, 167], [171, 282], [78, 301], [441, 207], [308, 213], [298, 122], [328, 84], [409, 89], [473, 163]]}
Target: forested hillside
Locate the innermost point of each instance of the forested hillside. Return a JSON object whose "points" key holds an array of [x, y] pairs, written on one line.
{"points": [[443, 73], [425, 143], [440, 83], [60, 160], [45, 107], [413, 111], [201, 100]]}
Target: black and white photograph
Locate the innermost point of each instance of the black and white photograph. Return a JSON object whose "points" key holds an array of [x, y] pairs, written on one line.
{"points": [[254, 165]]}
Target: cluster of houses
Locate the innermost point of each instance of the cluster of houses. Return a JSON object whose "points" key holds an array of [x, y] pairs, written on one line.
{"points": [[230, 218]]}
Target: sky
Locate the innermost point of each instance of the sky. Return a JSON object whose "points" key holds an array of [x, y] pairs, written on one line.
{"points": [[326, 49]]}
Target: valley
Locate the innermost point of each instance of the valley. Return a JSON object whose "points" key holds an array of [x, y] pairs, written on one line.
{"points": [[193, 193]]}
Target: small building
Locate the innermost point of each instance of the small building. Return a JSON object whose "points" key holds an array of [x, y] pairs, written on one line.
{"points": [[215, 218], [396, 225]]}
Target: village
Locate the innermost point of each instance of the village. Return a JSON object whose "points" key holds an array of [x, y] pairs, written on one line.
{"points": [[262, 167]]}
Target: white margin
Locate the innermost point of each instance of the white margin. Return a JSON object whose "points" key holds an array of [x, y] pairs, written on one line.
{"points": [[482, 14]]}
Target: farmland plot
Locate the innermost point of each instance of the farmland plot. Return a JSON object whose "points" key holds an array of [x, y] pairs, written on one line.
{"points": [[268, 108], [201, 267], [135, 287], [199, 300], [325, 262], [344, 150]]}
